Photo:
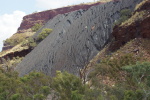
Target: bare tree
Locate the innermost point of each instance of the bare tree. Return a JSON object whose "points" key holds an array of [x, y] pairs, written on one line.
{"points": [[82, 63]]}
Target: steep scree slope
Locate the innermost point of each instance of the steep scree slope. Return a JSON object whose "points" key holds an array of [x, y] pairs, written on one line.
{"points": [[76, 39]]}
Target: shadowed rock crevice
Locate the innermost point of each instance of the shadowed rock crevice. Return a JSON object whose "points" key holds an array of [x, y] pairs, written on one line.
{"points": [[12, 55]]}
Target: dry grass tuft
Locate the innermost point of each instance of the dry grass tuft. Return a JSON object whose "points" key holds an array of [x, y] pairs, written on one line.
{"points": [[136, 17], [140, 4]]}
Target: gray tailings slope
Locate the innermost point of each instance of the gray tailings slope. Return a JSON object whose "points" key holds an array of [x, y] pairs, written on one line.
{"points": [[76, 38]]}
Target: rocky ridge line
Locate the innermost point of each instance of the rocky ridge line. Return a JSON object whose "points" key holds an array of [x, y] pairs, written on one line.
{"points": [[44, 16]]}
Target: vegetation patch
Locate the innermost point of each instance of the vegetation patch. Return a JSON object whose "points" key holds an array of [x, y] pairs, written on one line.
{"points": [[136, 17], [131, 81], [17, 38], [36, 27], [45, 32], [24, 41], [9, 64], [30, 42], [140, 4], [118, 73], [112, 66], [124, 15], [139, 77], [35, 86]]}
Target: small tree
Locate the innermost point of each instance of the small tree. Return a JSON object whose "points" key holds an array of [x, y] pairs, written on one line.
{"points": [[36, 27], [45, 32], [124, 15], [140, 75], [30, 42], [68, 86]]}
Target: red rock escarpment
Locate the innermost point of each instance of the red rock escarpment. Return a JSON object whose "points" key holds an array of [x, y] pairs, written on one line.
{"points": [[11, 55], [145, 6], [44, 16], [4, 48], [139, 28], [124, 34]]}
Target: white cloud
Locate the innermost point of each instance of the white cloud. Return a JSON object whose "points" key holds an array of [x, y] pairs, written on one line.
{"points": [[50, 4], [9, 24]]}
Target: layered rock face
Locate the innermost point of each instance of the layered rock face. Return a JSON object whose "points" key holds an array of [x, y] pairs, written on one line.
{"points": [[6, 47], [138, 28], [10, 56], [76, 38], [44, 16]]}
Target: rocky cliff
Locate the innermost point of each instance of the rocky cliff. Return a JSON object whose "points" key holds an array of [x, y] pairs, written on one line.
{"points": [[10, 50], [136, 26], [44, 16], [76, 38]]}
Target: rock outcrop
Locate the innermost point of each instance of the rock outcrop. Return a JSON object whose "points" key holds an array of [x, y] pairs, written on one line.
{"points": [[76, 38], [44, 16], [138, 28], [11, 55], [4, 48]]}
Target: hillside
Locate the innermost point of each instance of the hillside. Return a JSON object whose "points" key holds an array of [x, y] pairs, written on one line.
{"points": [[22, 43], [101, 53], [41, 18], [130, 42], [81, 35], [121, 69]]}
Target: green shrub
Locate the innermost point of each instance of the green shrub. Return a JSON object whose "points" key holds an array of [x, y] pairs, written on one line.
{"points": [[93, 94], [45, 90], [133, 95], [16, 96], [125, 12], [129, 95], [124, 15], [116, 92], [113, 97], [68, 86], [35, 86], [13, 42], [30, 42], [111, 67], [39, 97], [45, 32], [139, 74], [75, 95], [36, 27], [65, 86], [15, 39]]}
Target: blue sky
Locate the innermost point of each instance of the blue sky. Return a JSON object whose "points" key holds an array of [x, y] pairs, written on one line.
{"points": [[8, 6], [12, 12]]}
